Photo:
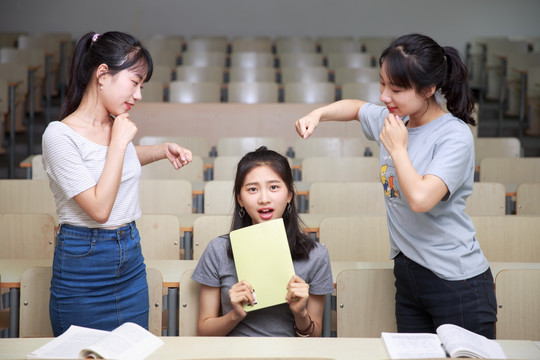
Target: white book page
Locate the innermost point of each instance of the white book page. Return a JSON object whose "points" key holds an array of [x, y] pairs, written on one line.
{"points": [[413, 346], [69, 344], [459, 341], [128, 341]]}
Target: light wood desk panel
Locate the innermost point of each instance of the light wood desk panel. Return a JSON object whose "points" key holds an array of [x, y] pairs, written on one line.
{"points": [[249, 348]]}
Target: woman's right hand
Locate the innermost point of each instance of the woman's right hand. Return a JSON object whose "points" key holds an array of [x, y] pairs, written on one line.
{"points": [[240, 293], [123, 129], [306, 125]]}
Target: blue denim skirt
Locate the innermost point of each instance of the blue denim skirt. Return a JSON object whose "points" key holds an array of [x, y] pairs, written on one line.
{"points": [[99, 279]]}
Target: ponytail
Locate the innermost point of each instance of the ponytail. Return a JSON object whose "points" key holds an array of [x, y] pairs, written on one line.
{"points": [[459, 97]]}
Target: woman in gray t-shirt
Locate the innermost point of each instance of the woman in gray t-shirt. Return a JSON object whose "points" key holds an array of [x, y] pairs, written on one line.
{"points": [[263, 191]]}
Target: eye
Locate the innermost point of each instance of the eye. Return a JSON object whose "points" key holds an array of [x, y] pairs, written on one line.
{"points": [[274, 187], [251, 189]]}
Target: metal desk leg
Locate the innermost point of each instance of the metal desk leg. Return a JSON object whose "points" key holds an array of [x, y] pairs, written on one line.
{"points": [[172, 306], [522, 97], [188, 245], [13, 312], [31, 105], [12, 132], [327, 317]]}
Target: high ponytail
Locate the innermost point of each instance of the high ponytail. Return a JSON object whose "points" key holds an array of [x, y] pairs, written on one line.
{"points": [[417, 61]]}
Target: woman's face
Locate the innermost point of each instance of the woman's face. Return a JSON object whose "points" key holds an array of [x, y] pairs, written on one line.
{"points": [[121, 91], [400, 101], [264, 195]]}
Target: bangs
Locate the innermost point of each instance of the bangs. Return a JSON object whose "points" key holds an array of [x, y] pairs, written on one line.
{"points": [[139, 61], [397, 69]]}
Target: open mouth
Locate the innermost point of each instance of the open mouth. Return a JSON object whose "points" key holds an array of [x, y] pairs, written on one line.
{"points": [[266, 213]]}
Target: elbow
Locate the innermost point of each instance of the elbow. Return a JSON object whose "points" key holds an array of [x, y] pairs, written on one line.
{"points": [[420, 205], [100, 216]]}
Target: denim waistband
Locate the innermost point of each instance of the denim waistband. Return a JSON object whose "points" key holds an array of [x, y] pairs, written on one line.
{"points": [[99, 233]]}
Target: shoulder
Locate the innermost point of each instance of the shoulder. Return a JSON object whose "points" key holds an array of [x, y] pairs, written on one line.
{"points": [[319, 251]]}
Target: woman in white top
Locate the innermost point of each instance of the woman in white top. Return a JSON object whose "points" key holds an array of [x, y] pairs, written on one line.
{"points": [[99, 276]]}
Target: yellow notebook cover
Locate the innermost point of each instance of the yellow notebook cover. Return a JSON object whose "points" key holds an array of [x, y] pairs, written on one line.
{"points": [[262, 257]]}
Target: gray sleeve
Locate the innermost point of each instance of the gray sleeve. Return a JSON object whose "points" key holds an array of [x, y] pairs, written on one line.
{"points": [[208, 267], [320, 272]]}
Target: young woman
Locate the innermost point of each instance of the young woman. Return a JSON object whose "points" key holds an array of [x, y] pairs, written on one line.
{"points": [[263, 190], [427, 170], [99, 276]]}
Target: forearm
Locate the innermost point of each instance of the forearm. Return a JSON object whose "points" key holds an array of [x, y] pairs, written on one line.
{"points": [[150, 153], [343, 110], [218, 326]]}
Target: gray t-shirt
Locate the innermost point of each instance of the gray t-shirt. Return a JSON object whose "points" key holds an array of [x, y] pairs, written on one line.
{"points": [[443, 238], [215, 268]]}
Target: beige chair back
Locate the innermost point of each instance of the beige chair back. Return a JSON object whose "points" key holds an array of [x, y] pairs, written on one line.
{"points": [[166, 197], [510, 171], [345, 169], [239, 146], [346, 198], [252, 74], [206, 228], [154, 91], [355, 238], [27, 236], [334, 147], [508, 238], [365, 303], [203, 58], [26, 196], [251, 59], [356, 75], [218, 197], [518, 304], [190, 73], [300, 59], [252, 92], [491, 147], [309, 74], [366, 91], [527, 199], [160, 236], [225, 167], [486, 199], [199, 92], [188, 305], [34, 320], [348, 59], [310, 92]]}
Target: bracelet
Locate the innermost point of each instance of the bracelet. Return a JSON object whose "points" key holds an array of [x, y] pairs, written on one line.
{"points": [[306, 332]]}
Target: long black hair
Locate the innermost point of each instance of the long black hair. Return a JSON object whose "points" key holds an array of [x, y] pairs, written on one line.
{"points": [[118, 50], [416, 61], [300, 243]]}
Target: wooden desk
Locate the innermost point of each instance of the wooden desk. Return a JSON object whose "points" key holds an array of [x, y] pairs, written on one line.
{"points": [[250, 348]]}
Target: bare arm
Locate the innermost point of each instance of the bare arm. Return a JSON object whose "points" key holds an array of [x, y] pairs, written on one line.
{"points": [[343, 110], [98, 201], [210, 323], [177, 155], [422, 192], [305, 306]]}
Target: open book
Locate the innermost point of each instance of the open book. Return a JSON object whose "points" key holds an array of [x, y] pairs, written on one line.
{"points": [[128, 341], [450, 340]]}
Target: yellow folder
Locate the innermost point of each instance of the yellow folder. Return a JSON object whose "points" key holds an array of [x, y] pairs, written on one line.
{"points": [[262, 257]]}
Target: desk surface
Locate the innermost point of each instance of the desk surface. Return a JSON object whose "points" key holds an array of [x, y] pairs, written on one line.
{"points": [[225, 347]]}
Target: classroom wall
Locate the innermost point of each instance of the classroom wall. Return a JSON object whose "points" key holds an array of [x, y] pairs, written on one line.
{"points": [[451, 22]]}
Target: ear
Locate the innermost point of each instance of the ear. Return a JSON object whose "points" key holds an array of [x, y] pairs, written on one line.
{"points": [[102, 70], [289, 198], [239, 199], [428, 92]]}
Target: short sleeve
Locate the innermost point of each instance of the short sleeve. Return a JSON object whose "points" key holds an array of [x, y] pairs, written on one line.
{"points": [[207, 269], [320, 279], [63, 162]]}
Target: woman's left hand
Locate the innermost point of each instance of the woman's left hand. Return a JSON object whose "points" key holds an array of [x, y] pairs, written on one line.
{"points": [[177, 155], [297, 295], [394, 134]]}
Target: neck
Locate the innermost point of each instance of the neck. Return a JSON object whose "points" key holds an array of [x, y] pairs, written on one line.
{"points": [[429, 112]]}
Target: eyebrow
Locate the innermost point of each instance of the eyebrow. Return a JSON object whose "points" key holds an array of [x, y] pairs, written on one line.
{"points": [[268, 182]]}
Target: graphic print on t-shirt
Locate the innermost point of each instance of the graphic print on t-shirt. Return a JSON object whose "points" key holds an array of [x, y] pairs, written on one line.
{"points": [[387, 180]]}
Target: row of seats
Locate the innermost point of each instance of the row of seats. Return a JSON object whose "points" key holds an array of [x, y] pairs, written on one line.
{"points": [[365, 297], [161, 230]]}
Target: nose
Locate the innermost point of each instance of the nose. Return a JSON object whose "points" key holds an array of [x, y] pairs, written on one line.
{"points": [[263, 197], [138, 94], [385, 98]]}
